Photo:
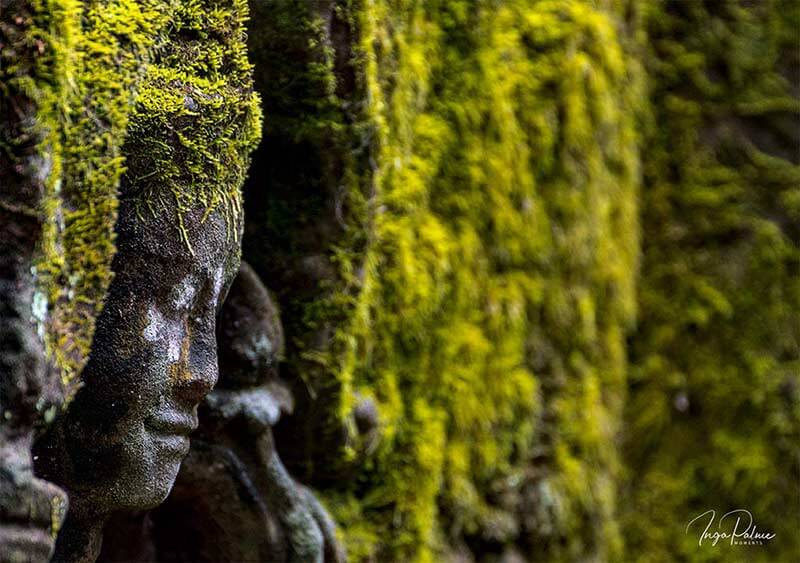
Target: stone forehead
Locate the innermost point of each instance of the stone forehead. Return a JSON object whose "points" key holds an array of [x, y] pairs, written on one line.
{"points": [[151, 241]]}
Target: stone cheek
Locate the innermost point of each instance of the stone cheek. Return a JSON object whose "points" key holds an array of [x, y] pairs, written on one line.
{"points": [[183, 293], [171, 335]]}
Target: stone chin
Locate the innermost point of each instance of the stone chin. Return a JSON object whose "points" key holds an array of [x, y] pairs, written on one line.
{"points": [[155, 480], [138, 472], [168, 454]]}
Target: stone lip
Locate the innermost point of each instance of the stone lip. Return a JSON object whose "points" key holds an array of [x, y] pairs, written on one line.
{"points": [[172, 423]]}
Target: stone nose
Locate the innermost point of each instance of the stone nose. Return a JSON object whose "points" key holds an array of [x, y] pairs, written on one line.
{"points": [[195, 389], [202, 375]]}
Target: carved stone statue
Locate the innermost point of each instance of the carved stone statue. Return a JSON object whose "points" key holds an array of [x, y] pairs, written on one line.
{"points": [[121, 442], [234, 500], [30, 508], [119, 445]]}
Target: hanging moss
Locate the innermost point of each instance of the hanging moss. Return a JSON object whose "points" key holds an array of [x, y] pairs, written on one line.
{"points": [[202, 158], [37, 43], [714, 413], [501, 282], [110, 44], [196, 118], [496, 146], [92, 64], [447, 205]]}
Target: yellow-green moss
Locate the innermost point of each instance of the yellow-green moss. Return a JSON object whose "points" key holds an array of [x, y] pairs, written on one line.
{"points": [[714, 415], [502, 278], [484, 270], [486, 280], [37, 66], [197, 149], [110, 42], [196, 118]]}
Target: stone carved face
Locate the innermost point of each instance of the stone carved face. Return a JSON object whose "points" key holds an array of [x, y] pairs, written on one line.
{"points": [[250, 338], [234, 500], [153, 359]]}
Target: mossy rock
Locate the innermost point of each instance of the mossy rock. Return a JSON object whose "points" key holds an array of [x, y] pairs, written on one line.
{"points": [[194, 115], [109, 45]]}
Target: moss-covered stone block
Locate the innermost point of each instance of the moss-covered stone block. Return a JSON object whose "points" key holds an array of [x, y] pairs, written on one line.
{"points": [[445, 204], [110, 42]]}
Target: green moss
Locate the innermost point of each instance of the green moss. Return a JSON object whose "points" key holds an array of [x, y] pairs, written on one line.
{"points": [[196, 118], [110, 42], [483, 274], [478, 275], [502, 276], [714, 416], [192, 126], [36, 61], [447, 204]]}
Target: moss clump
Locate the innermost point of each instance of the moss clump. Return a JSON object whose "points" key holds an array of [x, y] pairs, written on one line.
{"points": [[183, 103], [110, 45], [196, 118], [502, 277], [488, 314], [36, 43], [714, 415]]}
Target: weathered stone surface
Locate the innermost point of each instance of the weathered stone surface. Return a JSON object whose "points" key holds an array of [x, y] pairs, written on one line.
{"points": [[275, 518], [30, 508], [120, 444], [450, 206], [233, 499]]}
